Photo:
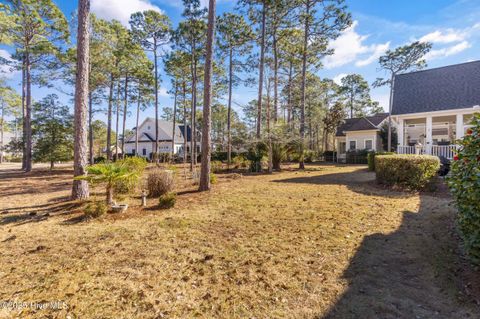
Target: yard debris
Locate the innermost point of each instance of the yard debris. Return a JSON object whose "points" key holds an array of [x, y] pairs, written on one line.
{"points": [[10, 238]]}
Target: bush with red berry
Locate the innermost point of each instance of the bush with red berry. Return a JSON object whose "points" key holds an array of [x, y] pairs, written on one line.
{"points": [[464, 182]]}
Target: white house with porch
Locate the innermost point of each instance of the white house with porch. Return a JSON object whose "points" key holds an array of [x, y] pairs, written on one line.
{"points": [[146, 138], [433, 108]]}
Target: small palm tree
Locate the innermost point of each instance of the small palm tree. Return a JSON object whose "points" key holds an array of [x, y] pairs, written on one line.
{"points": [[109, 174]]}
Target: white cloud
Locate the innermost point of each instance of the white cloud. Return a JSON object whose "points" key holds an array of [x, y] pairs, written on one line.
{"points": [[349, 46], [448, 51], [454, 41], [338, 78], [5, 70], [121, 9], [163, 92], [378, 50], [447, 36]]}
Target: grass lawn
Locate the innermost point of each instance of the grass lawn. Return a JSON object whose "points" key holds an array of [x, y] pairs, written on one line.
{"points": [[323, 243]]}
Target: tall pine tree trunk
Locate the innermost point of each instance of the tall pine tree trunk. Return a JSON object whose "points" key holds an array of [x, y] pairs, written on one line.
{"points": [[90, 129], [109, 119], [229, 111], [269, 136], [194, 105], [24, 113], [125, 107], [137, 119], [28, 116], [261, 67], [80, 188], [275, 77], [304, 83], [2, 122], [117, 120], [174, 121], [155, 152], [207, 100], [289, 97], [185, 131]]}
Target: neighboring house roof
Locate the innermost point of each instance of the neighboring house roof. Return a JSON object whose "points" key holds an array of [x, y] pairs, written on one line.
{"points": [[165, 130], [361, 124], [446, 88]]}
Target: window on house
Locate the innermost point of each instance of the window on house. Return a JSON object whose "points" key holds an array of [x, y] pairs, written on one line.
{"points": [[369, 144], [144, 152], [352, 145], [133, 151]]}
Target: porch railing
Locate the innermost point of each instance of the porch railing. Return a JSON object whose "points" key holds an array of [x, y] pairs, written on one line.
{"points": [[406, 149], [447, 151]]}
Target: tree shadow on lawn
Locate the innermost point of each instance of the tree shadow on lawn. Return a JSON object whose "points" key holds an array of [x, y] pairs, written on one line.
{"points": [[359, 181], [415, 272], [37, 213]]}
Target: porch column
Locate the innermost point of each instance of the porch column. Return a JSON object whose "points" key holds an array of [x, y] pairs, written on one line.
{"points": [[400, 132], [460, 130], [429, 138]]}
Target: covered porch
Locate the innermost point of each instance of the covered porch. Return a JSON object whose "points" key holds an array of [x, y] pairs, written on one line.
{"points": [[431, 134]]}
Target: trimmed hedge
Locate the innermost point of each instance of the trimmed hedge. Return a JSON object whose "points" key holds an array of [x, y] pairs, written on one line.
{"points": [[371, 159], [413, 172], [464, 183]]}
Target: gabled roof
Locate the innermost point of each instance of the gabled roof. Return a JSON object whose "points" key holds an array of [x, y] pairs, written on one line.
{"points": [[165, 130], [446, 88], [361, 124]]}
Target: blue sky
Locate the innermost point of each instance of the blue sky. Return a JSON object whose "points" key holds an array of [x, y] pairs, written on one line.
{"points": [[453, 26]]}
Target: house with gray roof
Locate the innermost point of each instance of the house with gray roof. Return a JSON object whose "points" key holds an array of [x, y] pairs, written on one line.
{"points": [[361, 133], [433, 108], [146, 138]]}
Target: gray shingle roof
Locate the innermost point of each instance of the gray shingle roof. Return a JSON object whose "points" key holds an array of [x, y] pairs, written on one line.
{"points": [[361, 123], [446, 88]]}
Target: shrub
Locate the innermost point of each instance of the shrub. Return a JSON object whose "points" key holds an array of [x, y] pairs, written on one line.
{"points": [[99, 159], [216, 166], [310, 156], [464, 182], [255, 155], [357, 157], [160, 182], [371, 159], [413, 172], [95, 209], [167, 200], [213, 178], [240, 162]]}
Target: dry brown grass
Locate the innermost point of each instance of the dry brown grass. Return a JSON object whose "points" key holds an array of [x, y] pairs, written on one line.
{"points": [[325, 242]]}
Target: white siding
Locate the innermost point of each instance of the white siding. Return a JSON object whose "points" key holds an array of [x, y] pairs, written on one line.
{"points": [[361, 136]]}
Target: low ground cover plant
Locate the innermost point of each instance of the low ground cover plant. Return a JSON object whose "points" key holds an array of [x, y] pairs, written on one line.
{"points": [[412, 172], [167, 201]]}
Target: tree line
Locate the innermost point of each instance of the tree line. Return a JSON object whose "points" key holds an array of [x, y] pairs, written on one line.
{"points": [[273, 46]]}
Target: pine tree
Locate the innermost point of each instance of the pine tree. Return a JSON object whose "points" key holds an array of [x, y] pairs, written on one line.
{"points": [[80, 188], [207, 99], [151, 30], [36, 29], [52, 131], [235, 39]]}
